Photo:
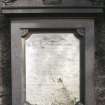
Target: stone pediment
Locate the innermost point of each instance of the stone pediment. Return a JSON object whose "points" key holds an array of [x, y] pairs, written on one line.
{"points": [[53, 3], [52, 6]]}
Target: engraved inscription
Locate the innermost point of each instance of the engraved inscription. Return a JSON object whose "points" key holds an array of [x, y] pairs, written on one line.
{"points": [[52, 69]]}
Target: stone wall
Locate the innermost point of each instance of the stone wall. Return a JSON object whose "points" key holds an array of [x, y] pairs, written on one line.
{"points": [[100, 61], [5, 63]]}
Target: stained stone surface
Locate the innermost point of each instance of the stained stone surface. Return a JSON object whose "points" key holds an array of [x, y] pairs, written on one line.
{"points": [[100, 61], [5, 69], [5, 65], [52, 69], [5, 60]]}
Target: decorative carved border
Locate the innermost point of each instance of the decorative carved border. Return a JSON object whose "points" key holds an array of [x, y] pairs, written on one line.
{"points": [[48, 2], [6, 2], [17, 60], [24, 32], [81, 31]]}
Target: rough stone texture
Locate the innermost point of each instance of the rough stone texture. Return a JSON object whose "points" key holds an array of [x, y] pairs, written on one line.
{"points": [[5, 63], [100, 61], [37, 3]]}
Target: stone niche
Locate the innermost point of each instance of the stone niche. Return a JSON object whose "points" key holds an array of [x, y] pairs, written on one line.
{"points": [[49, 37]]}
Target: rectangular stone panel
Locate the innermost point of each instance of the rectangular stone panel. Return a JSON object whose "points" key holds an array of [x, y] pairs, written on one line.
{"points": [[52, 69]]}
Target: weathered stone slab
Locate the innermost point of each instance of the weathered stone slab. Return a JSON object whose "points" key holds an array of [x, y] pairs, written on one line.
{"points": [[52, 69]]}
